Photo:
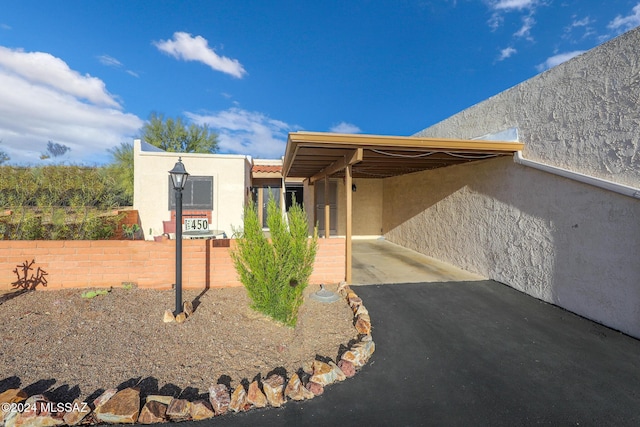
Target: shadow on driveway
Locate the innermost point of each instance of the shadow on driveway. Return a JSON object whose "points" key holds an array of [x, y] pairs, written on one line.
{"points": [[474, 354]]}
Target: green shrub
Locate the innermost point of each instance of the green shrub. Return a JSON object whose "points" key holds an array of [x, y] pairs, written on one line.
{"points": [[275, 271]]}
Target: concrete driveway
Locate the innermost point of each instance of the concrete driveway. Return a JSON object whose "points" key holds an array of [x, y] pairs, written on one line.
{"points": [[377, 261], [475, 354]]}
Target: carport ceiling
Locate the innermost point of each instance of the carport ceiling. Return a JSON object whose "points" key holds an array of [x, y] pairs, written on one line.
{"points": [[315, 154]]}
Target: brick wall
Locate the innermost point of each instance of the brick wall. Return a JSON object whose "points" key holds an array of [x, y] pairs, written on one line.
{"points": [[104, 263]]}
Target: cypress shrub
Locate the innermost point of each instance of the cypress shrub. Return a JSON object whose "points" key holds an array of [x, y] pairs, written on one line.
{"points": [[276, 271]]}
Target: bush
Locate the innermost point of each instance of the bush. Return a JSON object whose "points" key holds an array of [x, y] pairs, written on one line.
{"points": [[276, 271]]}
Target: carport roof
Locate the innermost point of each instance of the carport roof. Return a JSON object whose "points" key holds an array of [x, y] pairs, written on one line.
{"points": [[315, 155]]}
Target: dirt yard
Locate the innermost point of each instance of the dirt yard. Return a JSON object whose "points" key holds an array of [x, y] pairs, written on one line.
{"points": [[74, 347]]}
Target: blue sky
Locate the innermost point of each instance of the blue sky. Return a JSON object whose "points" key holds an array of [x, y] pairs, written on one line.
{"points": [[88, 73]]}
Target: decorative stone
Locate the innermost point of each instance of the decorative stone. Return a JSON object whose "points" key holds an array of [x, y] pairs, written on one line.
{"points": [[13, 395], [315, 388], [168, 316], [295, 390], [340, 376], [153, 412], [363, 324], [239, 400], [361, 310], [307, 367], [181, 317], [32, 420], [323, 374], [219, 398], [347, 368], [201, 410], [122, 408], [188, 308], [354, 301], [104, 398], [359, 353], [273, 389], [79, 411], [179, 410], [255, 396], [343, 288], [165, 400]]}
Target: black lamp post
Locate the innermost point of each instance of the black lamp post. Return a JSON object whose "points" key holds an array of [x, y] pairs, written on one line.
{"points": [[179, 177]]}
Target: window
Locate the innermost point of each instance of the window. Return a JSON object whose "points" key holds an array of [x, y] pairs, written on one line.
{"points": [[197, 193]]}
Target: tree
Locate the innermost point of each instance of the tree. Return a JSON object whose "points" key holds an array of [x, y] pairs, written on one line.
{"points": [[121, 170], [4, 157], [54, 150], [173, 135]]}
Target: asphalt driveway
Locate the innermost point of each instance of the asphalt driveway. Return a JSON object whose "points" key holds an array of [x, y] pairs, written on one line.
{"points": [[474, 354]]}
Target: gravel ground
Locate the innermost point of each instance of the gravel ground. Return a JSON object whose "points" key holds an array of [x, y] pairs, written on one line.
{"points": [[72, 347]]}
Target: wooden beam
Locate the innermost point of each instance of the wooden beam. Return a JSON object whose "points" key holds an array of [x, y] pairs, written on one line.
{"points": [[349, 196], [351, 158]]}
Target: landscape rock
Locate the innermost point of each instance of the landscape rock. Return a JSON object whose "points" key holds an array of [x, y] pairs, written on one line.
{"points": [[32, 420], [122, 408], [188, 308], [165, 400], [201, 410], [340, 376], [323, 374], [153, 412], [181, 317], [179, 410], [359, 354], [361, 310], [255, 396], [79, 411], [168, 316], [219, 398], [239, 400], [295, 390], [273, 389], [13, 395], [363, 324], [347, 368], [104, 398], [315, 388]]}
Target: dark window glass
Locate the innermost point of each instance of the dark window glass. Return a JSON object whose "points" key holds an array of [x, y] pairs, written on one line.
{"points": [[197, 194]]}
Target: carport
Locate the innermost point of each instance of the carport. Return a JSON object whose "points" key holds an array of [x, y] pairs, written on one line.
{"points": [[317, 156]]}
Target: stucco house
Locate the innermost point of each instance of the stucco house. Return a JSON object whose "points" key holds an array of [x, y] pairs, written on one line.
{"points": [[537, 187]]}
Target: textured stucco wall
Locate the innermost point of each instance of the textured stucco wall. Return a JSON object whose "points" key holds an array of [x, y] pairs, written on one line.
{"points": [[231, 180], [562, 241]]}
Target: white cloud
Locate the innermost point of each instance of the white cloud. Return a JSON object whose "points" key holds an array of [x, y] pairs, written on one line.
{"points": [[344, 127], [5, 26], [189, 48], [525, 30], [501, 7], [109, 61], [507, 52], [42, 100], [41, 68], [620, 24], [558, 59], [509, 5], [246, 132]]}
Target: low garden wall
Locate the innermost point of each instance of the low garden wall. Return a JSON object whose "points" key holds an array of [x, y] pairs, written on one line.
{"points": [[149, 264]]}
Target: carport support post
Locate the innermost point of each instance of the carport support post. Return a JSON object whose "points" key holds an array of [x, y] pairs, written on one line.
{"points": [[347, 187], [327, 209]]}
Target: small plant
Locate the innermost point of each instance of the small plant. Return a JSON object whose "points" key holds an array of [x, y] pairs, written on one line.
{"points": [[275, 272], [95, 293], [130, 231]]}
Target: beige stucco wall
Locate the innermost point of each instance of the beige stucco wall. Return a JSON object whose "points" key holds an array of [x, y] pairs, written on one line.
{"points": [[231, 181], [559, 240]]}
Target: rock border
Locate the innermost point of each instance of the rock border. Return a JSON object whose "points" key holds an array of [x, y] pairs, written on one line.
{"points": [[124, 406]]}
